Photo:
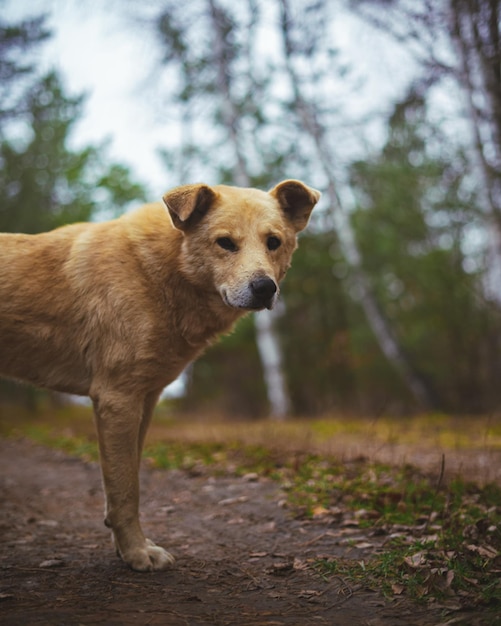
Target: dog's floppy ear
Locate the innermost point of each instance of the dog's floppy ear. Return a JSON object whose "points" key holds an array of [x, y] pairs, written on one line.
{"points": [[296, 200], [188, 204]]}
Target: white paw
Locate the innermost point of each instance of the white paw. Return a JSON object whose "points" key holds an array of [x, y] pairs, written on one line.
{"points": [[149, 558]]}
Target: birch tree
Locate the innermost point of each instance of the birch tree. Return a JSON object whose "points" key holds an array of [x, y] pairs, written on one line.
{"points": [[460, 39], [220, 74], [267, 340], [474, 28], [311, 124]]}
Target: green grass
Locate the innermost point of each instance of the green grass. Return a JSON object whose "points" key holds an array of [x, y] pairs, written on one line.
{"points": [[443, 542], [435, 538], [80, 446]]}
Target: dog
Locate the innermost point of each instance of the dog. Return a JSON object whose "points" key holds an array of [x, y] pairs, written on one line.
{"points": [[116, 310]]}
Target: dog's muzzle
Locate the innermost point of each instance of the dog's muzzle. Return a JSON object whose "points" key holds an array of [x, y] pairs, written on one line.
{"points": [[260, 293], [263, 292]]}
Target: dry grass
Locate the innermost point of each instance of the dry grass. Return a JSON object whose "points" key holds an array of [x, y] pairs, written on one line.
{"points": [[470, 446]]}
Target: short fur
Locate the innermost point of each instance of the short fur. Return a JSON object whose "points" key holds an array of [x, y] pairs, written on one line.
{"points": [[116, 311]]}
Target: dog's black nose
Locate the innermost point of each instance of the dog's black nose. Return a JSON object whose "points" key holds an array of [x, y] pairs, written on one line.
{"points": [[263, 289]]}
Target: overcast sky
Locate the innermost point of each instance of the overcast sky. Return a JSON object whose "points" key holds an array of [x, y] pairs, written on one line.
{"points": [[101, 54], [103, 51]]}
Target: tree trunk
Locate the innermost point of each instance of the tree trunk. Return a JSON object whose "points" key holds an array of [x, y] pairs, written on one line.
{"points": [[472, 74], [378, 322], [271, 359], [264, 322]]}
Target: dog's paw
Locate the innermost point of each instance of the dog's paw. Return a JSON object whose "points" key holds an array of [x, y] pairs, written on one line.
{"points": [[149, 558]]}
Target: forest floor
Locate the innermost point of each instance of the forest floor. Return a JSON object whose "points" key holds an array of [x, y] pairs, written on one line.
{"points": [[245, 555]]}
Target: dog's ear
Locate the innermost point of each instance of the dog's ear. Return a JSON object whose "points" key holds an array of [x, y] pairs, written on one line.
{"points": [[188, 204], [296, 200]]}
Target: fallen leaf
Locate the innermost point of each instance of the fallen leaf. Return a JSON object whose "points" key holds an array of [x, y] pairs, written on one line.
{"points": [[449, 578], [229, 501], [487, 552], [281, 569], [350, 522], [51, 563], [397, 588], [267, 527], [336, 510], [309, 593], [251, 477], [364, 545], [416, 560], [319, 511], [49, 523]]}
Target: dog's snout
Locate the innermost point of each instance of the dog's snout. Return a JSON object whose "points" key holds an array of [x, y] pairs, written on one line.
{"points": [[263, 288], [255, 295]]}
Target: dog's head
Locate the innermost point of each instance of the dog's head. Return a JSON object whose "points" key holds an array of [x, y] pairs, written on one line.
{"points": [[238, 241]]}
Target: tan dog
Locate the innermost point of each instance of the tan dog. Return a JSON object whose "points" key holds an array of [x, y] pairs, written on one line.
{"points": [[116, 310]]}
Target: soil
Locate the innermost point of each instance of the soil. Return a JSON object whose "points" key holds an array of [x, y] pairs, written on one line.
{"points": [[243, 559]]}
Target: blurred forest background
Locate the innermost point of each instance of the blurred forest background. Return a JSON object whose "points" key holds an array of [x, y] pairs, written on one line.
{"points": [[393, 301]]}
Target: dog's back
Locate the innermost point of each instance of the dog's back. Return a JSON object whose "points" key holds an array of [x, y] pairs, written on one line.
{"points": [[34, 307]]}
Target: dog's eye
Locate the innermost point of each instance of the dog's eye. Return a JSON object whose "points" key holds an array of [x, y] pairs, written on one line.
{"points": [[227, 244], [273, 243]]}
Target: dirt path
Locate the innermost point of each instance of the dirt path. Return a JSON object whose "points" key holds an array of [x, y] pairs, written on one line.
{"points": [[242, 559]]}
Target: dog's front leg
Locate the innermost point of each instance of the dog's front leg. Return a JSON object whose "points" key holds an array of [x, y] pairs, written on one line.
{"points": [[118, 422]]}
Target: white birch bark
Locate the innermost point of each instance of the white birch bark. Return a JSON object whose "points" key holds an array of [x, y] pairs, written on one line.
{"points": [[472, 29], [472, 76], [267, 341], [379, 324]]}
